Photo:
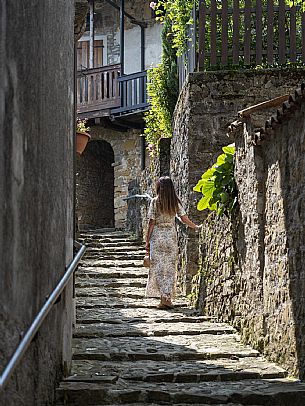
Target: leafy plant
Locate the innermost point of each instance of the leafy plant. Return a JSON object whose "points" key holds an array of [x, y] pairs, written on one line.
{"points": [[179, 13], [218, 185], [162, 88], [81, 126]]}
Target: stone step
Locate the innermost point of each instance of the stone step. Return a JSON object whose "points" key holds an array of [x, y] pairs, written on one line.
{"points": [[116, 250], [125, 329], [126, 351], [104, 273], [85, 283], [165, 348], [181, 371], [104, 256], [110, 245], [104, 292], [276, 392], [126, 263], [108, 239], [182, 404], [139, 315], [104, 232], [108, 302]]}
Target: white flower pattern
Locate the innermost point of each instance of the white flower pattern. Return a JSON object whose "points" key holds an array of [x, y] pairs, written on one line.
{"points": [[163, 254]]}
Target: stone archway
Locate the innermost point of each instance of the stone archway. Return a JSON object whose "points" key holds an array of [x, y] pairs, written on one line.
{"points": [[95, 186]]}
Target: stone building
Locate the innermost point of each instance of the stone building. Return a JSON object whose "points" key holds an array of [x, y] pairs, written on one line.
{"points": [[125, 42], [36, 192]]}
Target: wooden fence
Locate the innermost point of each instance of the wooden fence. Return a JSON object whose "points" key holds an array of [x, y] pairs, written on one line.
{"points": [[98, 90], [244, 33]]}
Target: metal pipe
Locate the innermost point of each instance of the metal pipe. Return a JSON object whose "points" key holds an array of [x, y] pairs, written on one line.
{"points": [[145, 196], [91, 43], [142, 48], [26, 341], [122, 36]]}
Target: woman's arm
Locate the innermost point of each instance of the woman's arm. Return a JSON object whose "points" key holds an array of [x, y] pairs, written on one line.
{"points": [[188, 222], [151, 225]]}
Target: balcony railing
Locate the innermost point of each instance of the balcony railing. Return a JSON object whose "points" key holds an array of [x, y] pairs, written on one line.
{"points": [[98, 91], [133, 90], [103, 92]]}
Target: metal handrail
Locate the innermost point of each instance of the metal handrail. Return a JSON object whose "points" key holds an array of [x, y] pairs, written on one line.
{"points": [[28, 337], [145, 196]]}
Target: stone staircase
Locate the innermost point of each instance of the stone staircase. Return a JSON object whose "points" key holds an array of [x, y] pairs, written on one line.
{"points": [[128, 352]]}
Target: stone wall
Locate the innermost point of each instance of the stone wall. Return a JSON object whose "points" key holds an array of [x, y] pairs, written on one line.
{"points": [[208, 103], [36, 190], [253, 268], [127, 172]]}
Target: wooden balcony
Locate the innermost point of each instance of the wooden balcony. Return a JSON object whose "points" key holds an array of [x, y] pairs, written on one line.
{"points": [[102, 92], [98, 91]]}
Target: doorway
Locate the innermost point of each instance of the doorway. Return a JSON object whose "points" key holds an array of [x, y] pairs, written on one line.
{"points": [[95, 186]]}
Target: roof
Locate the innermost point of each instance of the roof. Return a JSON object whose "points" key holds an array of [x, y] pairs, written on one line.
{"points": [[292, 103]]}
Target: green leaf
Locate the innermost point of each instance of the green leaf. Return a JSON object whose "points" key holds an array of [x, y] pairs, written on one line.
{"points": [[208, 188], [221, 159], [213, 206], [208, 174], [229, 158], [203, 203], [198, 187], [224, 197], [229, 149], [224, 168]]}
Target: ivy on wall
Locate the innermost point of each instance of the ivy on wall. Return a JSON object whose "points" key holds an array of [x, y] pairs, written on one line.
{"points": [[163, 91]]}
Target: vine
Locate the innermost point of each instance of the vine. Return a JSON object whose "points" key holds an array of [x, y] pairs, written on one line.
{"points": [[162, 89], [179, 13]]}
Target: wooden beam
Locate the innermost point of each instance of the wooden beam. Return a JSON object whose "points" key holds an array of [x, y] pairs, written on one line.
{"points": [[264, 105]]}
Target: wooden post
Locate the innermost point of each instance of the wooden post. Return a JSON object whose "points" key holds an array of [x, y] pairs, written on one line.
{"points": [[91, 44]]}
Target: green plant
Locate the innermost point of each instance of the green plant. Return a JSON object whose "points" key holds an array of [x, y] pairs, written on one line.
{"points": [[179, 13], [81, 126], [162, 89], [218, 185]]}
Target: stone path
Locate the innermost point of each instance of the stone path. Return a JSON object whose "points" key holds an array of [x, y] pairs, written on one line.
{"points": [[128, 352]]}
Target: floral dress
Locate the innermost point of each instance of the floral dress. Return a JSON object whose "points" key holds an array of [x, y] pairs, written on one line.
{"points": [[163, 253]]}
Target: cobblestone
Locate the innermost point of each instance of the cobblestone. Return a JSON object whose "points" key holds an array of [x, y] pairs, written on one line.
{"points": [[126, 351]]}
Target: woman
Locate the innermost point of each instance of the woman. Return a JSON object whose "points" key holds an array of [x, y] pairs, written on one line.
{"points": [[161, 242]]}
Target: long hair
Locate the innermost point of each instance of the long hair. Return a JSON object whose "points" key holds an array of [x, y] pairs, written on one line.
{"points": [[167, 198]]}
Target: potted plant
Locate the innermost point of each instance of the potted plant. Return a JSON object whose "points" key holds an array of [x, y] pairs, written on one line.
{"points": [[82, 135]]}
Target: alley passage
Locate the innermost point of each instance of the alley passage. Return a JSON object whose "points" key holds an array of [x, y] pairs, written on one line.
{"points": [[128, 352]]}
